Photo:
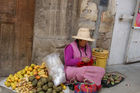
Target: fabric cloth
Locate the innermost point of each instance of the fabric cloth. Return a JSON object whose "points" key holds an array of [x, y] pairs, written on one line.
{"points": [[81, 64], [73, 72], [85, 88], [91, 73], [69, 58]]}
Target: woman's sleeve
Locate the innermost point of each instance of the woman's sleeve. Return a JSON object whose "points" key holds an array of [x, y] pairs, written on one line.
{"points": [[69, 59]]}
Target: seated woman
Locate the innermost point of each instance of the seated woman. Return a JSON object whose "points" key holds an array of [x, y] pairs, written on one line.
{"points": [[77, 52]]}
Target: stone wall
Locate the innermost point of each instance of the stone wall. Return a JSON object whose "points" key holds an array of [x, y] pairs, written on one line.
{"points": [[107, 25], [57, 20], [88, 17]]}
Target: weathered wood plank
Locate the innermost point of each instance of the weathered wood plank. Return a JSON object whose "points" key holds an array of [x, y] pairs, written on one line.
{"points": [[16, 34], [7, 40]]}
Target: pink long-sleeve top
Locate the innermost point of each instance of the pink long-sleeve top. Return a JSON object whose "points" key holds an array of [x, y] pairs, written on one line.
{"points": [[69, 59]]}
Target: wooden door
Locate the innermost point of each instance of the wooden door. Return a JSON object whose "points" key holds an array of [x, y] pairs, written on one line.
{"points": [[16, 34]]}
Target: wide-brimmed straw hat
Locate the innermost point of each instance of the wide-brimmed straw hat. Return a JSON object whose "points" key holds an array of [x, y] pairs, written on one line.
{"points": [[84, 34]]}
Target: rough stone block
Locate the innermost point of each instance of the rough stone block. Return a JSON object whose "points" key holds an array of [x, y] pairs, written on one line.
{"points": [[90, 12], [105, 27], [87, 24], [107, 17]]}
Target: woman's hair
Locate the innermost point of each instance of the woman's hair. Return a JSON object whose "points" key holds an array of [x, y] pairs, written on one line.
{"points": [[77, 41]]}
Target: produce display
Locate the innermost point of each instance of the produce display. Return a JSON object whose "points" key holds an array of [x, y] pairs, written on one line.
{"points": [[38, 71], [111, 79], [45, 85], [24, 86], [33, 79]]}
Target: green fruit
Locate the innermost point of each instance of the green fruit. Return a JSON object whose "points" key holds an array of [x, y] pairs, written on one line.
{"points": [[40, 80], [116, 78], [34, 83], [58, 89], [39, 89], [61, 92], [41, 92], [44, 80], [49, 90], [50, 84], [34, 91], [104, 79], [54, 91], [49, 79], [45, 87], [112, 83], [54, 87], [39, 84], [31, 78]]}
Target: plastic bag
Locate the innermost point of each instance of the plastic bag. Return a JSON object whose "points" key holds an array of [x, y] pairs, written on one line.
{"points": [[67, 90], [9, 88], [55, 68]]}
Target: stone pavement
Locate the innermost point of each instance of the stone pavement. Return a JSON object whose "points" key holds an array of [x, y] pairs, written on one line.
{"points": [[4, 90], [132, 82], [130, 85]]}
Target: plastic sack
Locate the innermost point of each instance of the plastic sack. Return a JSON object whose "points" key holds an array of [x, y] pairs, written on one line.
{"points": [[67, 90], [55, 68], [8, 88]]}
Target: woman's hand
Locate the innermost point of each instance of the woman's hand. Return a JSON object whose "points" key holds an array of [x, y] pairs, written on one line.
{"points": [[94, 59], [85, 59]]}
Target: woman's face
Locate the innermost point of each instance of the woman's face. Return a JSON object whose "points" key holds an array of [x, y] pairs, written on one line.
{"points": [[82, 43]]}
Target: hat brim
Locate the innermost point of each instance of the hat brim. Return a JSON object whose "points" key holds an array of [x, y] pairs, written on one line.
{"points": [[88, 39]]}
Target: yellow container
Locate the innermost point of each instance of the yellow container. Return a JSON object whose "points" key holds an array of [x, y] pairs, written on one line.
{"points": [[101, 57]]}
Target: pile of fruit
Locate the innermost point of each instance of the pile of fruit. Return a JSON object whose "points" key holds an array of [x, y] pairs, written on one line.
{"points": [[37, 70], [33, 79], [45, 85], [24, 86], [111, 79]]}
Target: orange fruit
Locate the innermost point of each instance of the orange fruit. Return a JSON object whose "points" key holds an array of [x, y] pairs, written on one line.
{"points": [[37, 77], [35, 73], [36, 67], [30, 68]]}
